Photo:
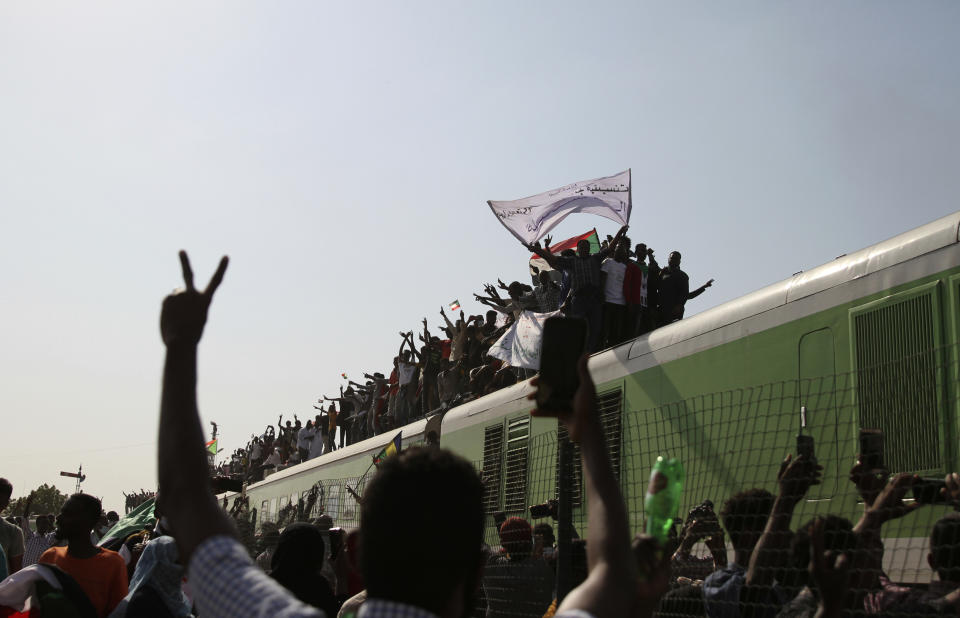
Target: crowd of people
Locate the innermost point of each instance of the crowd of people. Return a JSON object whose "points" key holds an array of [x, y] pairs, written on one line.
{"points": [[621, 294], [419, 551]]}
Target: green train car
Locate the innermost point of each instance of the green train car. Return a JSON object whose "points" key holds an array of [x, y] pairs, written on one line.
{"points": [[865, 341]]}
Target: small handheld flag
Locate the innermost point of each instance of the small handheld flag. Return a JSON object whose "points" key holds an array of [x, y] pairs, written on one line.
{"points": [[455, 305], [344, 376], [211, 447], [391, 449]]}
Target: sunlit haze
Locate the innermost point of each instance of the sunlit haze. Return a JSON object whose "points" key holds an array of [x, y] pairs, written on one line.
{"points": [[342, 153]]}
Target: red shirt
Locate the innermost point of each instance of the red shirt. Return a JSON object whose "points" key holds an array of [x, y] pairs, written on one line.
{"points": [[632, 284]]}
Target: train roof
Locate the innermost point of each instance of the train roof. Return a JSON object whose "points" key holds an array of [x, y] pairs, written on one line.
{"points": [[610, 364], [375, 443], [849, 267]]}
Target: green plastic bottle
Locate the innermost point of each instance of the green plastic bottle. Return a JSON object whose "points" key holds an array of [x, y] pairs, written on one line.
{"points": [[663, 497]]}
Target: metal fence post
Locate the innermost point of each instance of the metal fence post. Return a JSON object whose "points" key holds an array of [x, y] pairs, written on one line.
{"points": [[564, 519]]}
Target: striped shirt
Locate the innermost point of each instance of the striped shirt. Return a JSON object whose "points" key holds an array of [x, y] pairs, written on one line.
{"points": [[226, 583]]}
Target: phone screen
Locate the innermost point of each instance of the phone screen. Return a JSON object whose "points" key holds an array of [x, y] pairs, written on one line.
{"points": [[562, 346], [871, 448], [805, 447]]}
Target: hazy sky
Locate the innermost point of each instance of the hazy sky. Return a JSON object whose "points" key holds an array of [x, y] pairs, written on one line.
{"points": [[342, 153]]}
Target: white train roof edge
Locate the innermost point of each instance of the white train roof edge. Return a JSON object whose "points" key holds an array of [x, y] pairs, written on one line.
{"points": [[610, 364]]}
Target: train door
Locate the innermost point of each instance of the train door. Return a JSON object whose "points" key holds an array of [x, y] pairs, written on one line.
{"points": [[818, 395]]}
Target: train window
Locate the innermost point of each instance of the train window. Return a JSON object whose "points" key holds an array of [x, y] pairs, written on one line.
{"points": [[264, 511], [898, 377], [492, 466], [610, 409], [576, 489], [515, 485]]}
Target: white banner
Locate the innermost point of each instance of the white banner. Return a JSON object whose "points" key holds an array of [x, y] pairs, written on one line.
{"points": [[520, 345], [531, 218]]}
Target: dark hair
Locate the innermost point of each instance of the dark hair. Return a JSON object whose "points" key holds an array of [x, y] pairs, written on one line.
{"points": [[6, 488], [516, 536], [112, 515], [546, 531], [838, 536], [746, 513], [296, 566], [421, 525], [945, 547], [91, 505]]}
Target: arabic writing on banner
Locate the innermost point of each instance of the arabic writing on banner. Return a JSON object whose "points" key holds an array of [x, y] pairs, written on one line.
{"points": [[531, 218]]}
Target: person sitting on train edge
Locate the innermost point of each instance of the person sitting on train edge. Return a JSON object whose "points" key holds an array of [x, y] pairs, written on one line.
{"points": [[623, 580], [674, 290]]}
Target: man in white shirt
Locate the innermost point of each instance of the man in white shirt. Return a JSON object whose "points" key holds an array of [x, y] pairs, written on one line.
{"points": [[306, 437], [614, 301]]}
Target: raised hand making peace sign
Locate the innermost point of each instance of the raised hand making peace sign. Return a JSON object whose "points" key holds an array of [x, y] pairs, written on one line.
{"points": [[185, 311]]}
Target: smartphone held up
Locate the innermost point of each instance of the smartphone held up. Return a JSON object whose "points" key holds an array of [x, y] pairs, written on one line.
{"points": [[564, 342]]}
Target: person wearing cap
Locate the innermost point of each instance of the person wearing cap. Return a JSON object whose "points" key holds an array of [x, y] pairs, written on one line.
{"points": [[517, 583]]}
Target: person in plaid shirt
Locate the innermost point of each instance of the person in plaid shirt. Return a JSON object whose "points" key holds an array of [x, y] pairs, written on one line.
{"points": [[421, 518], [586, 282]]}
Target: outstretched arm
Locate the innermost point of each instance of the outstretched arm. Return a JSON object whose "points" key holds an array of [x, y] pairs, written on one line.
{"points": [[611, 585], [189, 503], [613, 243], [700, 290], [548, 257]]}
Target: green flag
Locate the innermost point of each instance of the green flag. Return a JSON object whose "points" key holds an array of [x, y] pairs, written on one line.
{"points": [[136, 520]]}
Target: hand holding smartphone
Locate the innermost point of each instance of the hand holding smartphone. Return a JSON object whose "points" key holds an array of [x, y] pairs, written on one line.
{"points": [[564, 341]]}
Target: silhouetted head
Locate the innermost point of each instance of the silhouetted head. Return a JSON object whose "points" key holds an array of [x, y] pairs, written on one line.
{"points": [[622, 252], [44, 524], [491, 317], [673, 260], [516, 536], [583, 248], [78, 516], [6, 490], [744, 515], [425, 552], [544, 277]]}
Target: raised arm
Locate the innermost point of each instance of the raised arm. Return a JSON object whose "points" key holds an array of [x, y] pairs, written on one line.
{"points": [[403, 342], [453, 329], [796, 477], [611, 585], [613, 243], [548, 257], [700, 290], [184, 480]]}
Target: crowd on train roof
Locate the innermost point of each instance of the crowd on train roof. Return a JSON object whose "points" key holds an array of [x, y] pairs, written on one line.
{"points": [[621, 293], [419, 550]]}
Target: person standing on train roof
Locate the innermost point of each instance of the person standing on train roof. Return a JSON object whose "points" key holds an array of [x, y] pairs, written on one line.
{"points": [[675, 291], [640, 287], [614, 300], [586, 282]]}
